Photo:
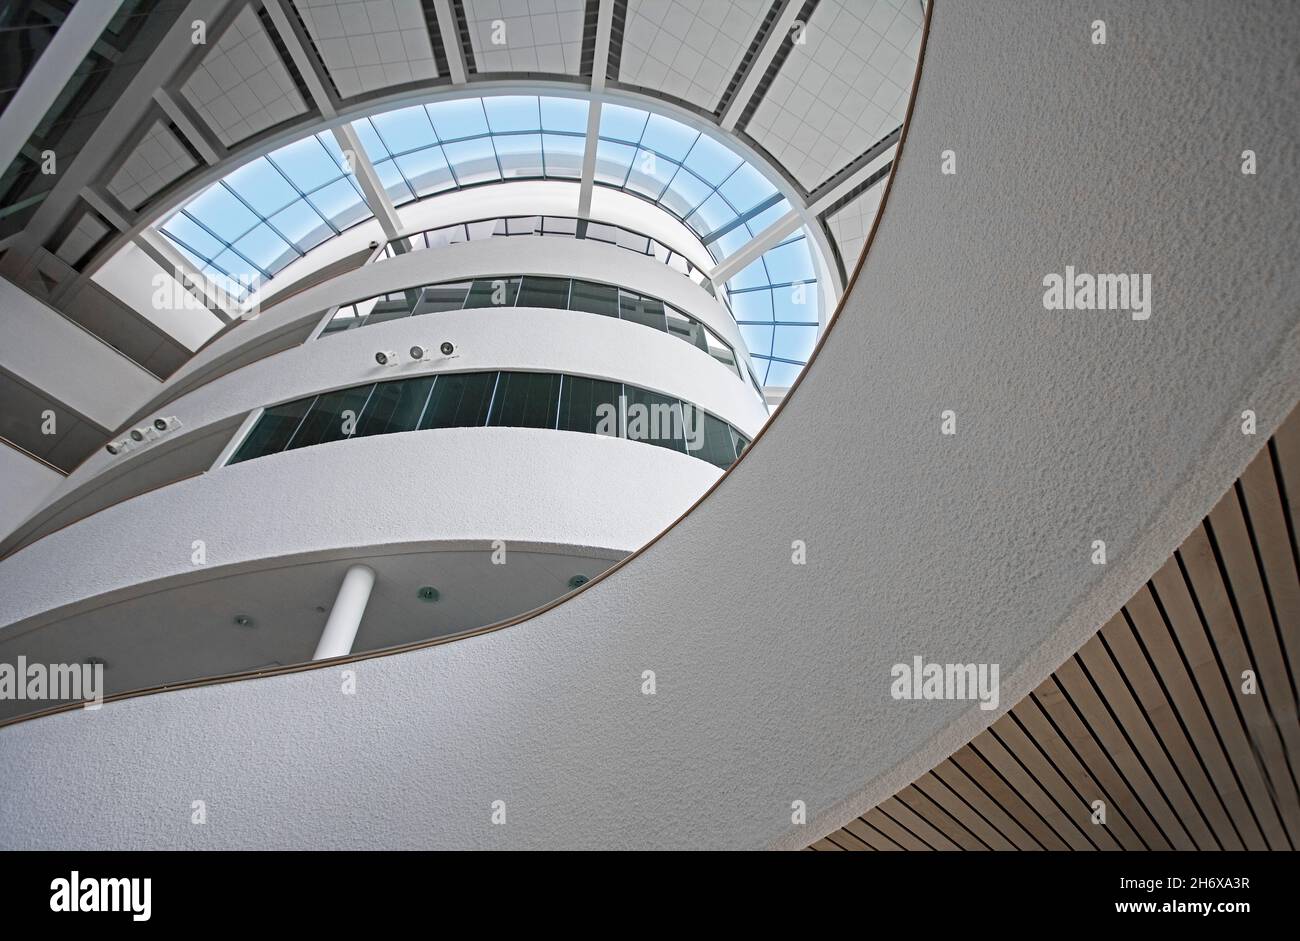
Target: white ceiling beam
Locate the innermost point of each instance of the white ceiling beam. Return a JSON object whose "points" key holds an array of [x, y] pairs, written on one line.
{"points": [[73, 40], [107, 206], [198, 134], [758, 68], [599, 66], [770, 237], [451, 42], [169, 259], [849, 183], [308, 66], [371, 186]]}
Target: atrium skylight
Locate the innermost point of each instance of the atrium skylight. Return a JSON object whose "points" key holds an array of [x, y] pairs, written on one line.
{"points": [[270, 211], [278, 207]]}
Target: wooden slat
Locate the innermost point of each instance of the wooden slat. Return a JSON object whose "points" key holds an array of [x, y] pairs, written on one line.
{"points": [[1072, 680], [943, 796], [892, 829], [1228, 529], [1183, 797], [1262, 503], [1034, 725], [1063, 823], [1226, 748], [939, 818], [866, 835], [825, 845], [1178, 721], [1101, 764], [1075, 808], [1286, 448], [978, 770], [948, 772], [901, 814]]}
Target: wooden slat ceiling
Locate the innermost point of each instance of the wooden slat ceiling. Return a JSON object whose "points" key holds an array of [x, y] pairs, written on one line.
{"points": [[1149, 716]]}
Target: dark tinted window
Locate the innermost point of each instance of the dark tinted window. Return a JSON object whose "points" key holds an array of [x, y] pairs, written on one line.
{"points": [[708, 438], [439, 297], [395, 406], [460, 400], [273, 430], [640, 309], [392, 307], [332, 417], [654, 418], [594, 298], [526, 400], [589, 405], [493, 292], [544, 292]]}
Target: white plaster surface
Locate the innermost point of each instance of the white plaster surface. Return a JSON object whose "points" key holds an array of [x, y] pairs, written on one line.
{"points": [[453, 485], [27, 483], [773, 678]]}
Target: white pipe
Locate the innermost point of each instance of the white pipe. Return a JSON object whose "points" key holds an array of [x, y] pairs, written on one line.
{"points": [[345, 617]]}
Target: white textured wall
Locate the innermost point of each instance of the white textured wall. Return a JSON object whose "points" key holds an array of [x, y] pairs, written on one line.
{"points": [[27, 484], [773, 678], [446, 485]]}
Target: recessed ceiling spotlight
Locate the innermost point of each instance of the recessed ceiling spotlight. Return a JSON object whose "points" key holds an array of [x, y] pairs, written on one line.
{"points": [[243, 620], [578, 581], [428, 593]]}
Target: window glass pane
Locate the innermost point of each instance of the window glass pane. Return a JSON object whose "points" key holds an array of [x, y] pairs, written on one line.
{"points": [[685, 328], [668, 137], [393, 184], [644, 310], [265, 249], [684, 193], [622, 123], [512, 113], [594, 298], [440, 297], [555, 225], [544, 292], [526, 400], [708, 438], [564, 114], [720, 351], [306, 163], [223, 214], [273, 430], [345, 318], [392, 307], [473, 161], [427, 170], [340, 203], [494, 292], [650, 174], [711, 160], [404, 129], [459, 400], [262, 186], [589, 405], [302, 225], [192, 236], [563, 155], [654, 418], [395, 406], [520, 155], [740, 441], [334, 416], [456, 119], [612, 162]]}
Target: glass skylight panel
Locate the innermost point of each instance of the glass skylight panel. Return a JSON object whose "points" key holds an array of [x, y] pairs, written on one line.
{"points": [[776, 303], [270, 211], [564, 114], [459, 119], [473, 161], [563, 155], [520, 155], [513, 113], [622, 124], [400, 131], [613, 160]]}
